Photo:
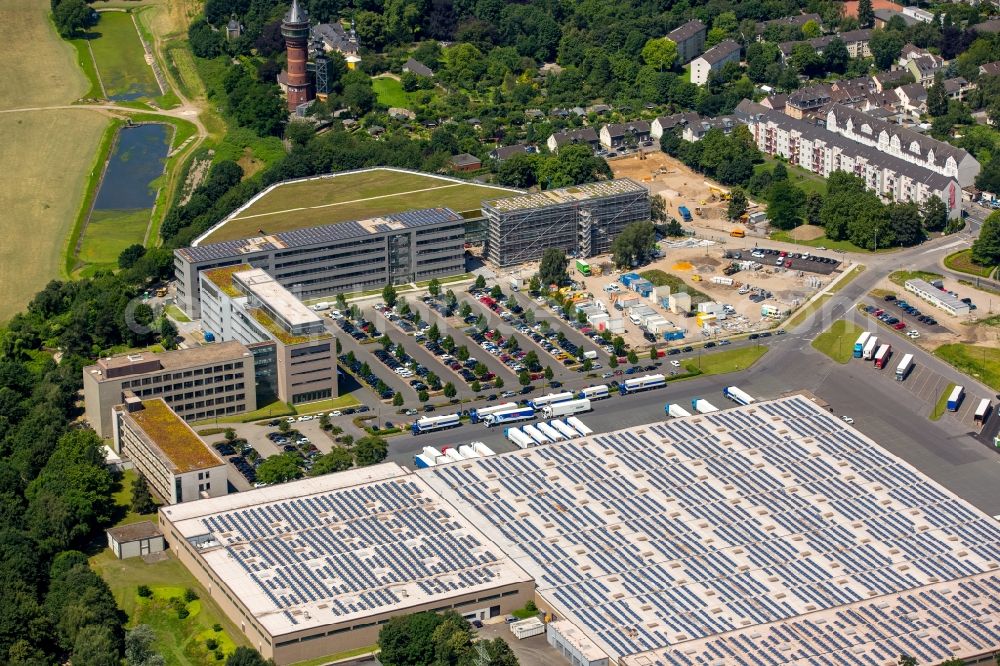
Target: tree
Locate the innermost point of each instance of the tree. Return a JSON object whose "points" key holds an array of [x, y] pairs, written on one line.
{"points": [[986, 248], [519, 171], [450, 391], [244, 656], [139, 647], [811, 29], [523, 378], [389, 295], [934, 214], [784, 205], [96, 645], [653, 354], [130, 255], [904, 219], [168, 333], [737, 204], [72, 16], [836, 57], [408, 640], [337, 460], [497, 653], [422, 396], [866, 13], [632, 357], [937, 97], [142, 500], [480, 370], [476, 386], [434, 287], [906, 660], [370, 450], [278, 469], [552, 269], [634, 245], [572, 165], [814, 208], [613, 361], [548, 374], [660, 53], [480, 281], [397, 400], [284, 426], [434, 333], [885, 47]]}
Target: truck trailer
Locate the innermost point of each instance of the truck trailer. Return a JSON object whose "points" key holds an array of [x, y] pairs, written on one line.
{"points": [[882, 356], [515, 435], [870, 348], [955, 399], [567, 431], [509, 416], [676, 411], [703, 406], [550, 432], [535, 434], [904, 367], [859, 346], [482, 449], [738, 395], [579, 426], [982, 411], [645, 383], [598, 392], [432, 423], [567, 408], [423, 461], [685, 213], [551, 398], [477, 415]]}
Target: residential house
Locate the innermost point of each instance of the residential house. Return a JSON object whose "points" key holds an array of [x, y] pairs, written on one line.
{"points": [[856, 42], [333, 37], [990, 69], [808, 100], [534, 114], [817, 44], [821, 151], [585, 135], [925, 67], [776, 102], [713, 60], [695, 131], [465, 162], [416, 67], [863, 82], [599, 109], [401, 114], [908, 53], [991, 26], [906, 144], [669, 123], [885, 81], [504, 153], [957, 88], [690, 40], [622, 134], [796, 21], [883, 16], [921, 15], [912, 98]]}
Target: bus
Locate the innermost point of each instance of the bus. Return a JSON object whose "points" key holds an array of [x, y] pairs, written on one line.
{"points": [[904, 367], [538, 403], [870, 347], [859, 346], [477, 415], [432, 423], [882, 356], [982, 411], [599, 392]]}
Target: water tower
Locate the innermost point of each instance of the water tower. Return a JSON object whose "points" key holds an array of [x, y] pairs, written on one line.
{"points": [[295, 30]]}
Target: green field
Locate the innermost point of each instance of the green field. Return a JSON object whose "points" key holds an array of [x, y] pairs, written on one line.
{"points": [[942, 403], [390, 93], [983, 363], [111, 231], [797, 176], [900, 277], [351, 196], [120, 58], [677, 285], [961, 262], [731, 360], [837, 342]]}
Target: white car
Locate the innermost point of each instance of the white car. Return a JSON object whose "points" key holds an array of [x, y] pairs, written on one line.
{"points": [[914, 334], [676, 364], [334, 413], [847, 419], [306, 417]]}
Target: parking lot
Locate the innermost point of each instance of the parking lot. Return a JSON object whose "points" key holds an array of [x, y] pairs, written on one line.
{"points": [[795, 261]]}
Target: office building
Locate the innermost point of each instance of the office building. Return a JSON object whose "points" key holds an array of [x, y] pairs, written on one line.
{"points": [[178, 466], [198, 383], [345, 257], [690, 40], [295, 357], [317, 567], [582, 220], [937, 297], [821, 151], [714, 60]]}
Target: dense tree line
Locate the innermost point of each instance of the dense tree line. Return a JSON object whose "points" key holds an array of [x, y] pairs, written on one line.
{"points": [[427, 638], [727, 158]]}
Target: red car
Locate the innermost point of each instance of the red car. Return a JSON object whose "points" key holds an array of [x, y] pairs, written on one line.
{"points": [[899, 326], [879, 313]]}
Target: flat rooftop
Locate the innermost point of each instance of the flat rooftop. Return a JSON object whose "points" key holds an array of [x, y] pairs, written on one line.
{"points": [[178, 359], [564, 195], [340, 547], [279, 300], [943, 296], [176, 443], [767, 534]]}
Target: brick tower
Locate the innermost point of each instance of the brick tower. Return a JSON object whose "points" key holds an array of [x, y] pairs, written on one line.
{"points": [[295, 29]]}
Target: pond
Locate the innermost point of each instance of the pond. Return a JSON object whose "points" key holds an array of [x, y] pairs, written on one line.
{"points": [[137, 161]]}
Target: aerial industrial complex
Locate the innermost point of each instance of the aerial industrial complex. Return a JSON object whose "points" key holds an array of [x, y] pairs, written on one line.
{"points": [[765, 534]]}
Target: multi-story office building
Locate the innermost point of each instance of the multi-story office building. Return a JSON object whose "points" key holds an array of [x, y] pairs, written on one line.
{"points": [[344, 257], [178, 466], [294, 354], [198, 383], [904, 143], [817, 149], [582, 220]]}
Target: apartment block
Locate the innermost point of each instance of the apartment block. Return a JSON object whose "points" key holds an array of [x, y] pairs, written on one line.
{"points": [[713, 60], [351, 256], [904, 143], [582, 220], [821, 151], [294, 354], [198, 383], [690, 40], [178, 465]]}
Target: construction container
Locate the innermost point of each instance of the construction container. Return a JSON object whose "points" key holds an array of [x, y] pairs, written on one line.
{"points": [[727, 281], [533, 626], [773, 311], [705, 318], [680, 303]]}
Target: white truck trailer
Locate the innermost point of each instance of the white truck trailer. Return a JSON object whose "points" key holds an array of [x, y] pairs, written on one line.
{"points": [[579, 426], [676, 411], [568, 408]]}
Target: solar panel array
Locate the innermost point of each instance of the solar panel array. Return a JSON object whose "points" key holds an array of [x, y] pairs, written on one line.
{"points": [[352, 548], [715, 524]]}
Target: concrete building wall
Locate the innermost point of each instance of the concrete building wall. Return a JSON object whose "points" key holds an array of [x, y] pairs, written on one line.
{"points": [[701, 68]]}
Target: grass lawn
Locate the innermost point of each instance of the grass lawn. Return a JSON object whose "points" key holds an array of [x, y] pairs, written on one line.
{"points": [[962, 262], [837, 342], [730, 360], [111, 231], [390, 92], [677, 285], [942, 404], [798, 176], [180, 641], [900, 277], [846, 280], [808, 310], [982, 363], [328, 405], [339, 656], [352, 196], [123, 500], [823, 241], [177, 314], [120, 58], [274, 410]]}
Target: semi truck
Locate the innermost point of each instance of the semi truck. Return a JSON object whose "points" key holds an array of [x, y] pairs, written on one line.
{"points": [[477, 415], [515, 435], [535, 434], [685, 213], [468, 452], [509, 416], [550, 432], [870, 348], [583, 267], [551, 398], [567, 408], [598, 392], [703, 406], [982, 411], [676, 411], [578, 425], [567, 431], [904, 367], [738, 395], [859, 346], [882, 356], [432, 423], [645, 383], [423, 461], [955, 399]]}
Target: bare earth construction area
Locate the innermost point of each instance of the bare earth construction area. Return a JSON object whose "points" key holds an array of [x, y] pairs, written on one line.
{"points": [[351, 196]]}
